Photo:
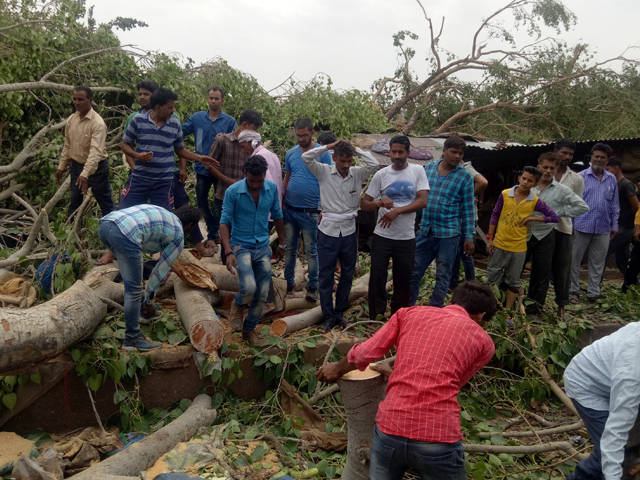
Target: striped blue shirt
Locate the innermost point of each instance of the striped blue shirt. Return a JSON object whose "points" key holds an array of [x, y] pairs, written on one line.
{"points": [[451, 206], [601, 196], [250, 223], [155, 230], [162, 141]]}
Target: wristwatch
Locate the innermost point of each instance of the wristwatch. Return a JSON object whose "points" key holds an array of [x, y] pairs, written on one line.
{"points": [[284, 247]]}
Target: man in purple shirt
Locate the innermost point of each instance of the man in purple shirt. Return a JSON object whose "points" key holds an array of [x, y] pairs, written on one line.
{"points": [[599, 225]]}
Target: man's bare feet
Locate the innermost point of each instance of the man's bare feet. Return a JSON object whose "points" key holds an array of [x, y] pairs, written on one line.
{"points": [[105, 259]]}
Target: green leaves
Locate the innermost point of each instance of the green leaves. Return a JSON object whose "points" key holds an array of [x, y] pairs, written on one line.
{"points": [[9, 400], [258, 452], [94, 383]]}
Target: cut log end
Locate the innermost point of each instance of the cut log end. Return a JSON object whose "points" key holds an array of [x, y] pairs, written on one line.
{"points": [[207, 336], [279, 328]]}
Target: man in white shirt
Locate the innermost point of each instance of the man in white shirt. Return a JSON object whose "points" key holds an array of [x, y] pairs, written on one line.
{"points": [[403, 189], [340, 187]]}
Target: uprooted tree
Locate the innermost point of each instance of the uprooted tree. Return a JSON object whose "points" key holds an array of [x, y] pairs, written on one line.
{"points": [[520, 89]]}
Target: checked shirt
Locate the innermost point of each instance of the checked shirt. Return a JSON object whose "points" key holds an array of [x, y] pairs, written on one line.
{"points": [[450, 205], [438, 350]]}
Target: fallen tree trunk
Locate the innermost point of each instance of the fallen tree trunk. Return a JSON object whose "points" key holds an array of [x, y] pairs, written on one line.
{"points": [[362, 392], [192, 271], [31, 336], [282, 326], [299, 303], [195, 307], [142, 455]]}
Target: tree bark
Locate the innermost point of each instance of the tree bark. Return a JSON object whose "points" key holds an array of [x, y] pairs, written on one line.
{"points": [[195, 307], [361, 397], [142, 455], [23, 87], [192, 271], [11, 189], [28, 337]]}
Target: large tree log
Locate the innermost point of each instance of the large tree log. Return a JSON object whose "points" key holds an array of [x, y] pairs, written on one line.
{"points": [[282, 326], [192, 271], [143, 454], [362, 392], [31, 336], [195, 306]]}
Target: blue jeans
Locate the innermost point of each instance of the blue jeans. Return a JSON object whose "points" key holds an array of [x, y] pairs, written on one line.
{"points": [[467, 262], [428, 249], [180, 198], [330, 249], [391, 456], [254, 277], [595, 420], [294, 224], [129, 257], [203, 186], [139, 192]]}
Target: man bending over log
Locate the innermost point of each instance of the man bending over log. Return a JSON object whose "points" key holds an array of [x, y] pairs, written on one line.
{"points": [[128, 234], [340, 187], [603, 383], [245, 213], [437, 352]]}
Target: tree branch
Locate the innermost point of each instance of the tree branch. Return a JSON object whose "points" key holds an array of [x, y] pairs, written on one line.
{"points": [[4, 29], [84, 55], [31, 148], [19, 87]]}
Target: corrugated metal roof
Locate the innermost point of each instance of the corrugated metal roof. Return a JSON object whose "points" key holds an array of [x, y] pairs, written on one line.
{"points": [[434, 145]]}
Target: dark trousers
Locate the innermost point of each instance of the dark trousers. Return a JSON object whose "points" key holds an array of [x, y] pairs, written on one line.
{"points": [[540, 253], [392, 456], [621, 247], [633, 267], [203, 186], [403, 254], [595, 421], [141, 192], [98, 183], [330, 250], [181, 197], [561, 267], [467, 263]]}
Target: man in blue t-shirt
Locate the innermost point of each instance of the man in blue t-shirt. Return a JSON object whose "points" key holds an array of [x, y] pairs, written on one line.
{"points": [[157, 136], [301, 207], [205, 126]]}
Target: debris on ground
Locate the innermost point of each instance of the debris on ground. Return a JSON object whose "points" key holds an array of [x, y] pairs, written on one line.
{"points": [[13, 447]]}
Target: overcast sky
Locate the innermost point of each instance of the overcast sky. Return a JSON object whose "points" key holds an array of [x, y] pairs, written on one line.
{"points": [[350, 40]]}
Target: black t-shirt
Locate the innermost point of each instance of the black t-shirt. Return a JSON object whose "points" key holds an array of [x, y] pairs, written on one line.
{"points": [[626, 189]]}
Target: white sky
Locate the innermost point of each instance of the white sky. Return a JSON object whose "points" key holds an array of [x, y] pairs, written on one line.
{"points": [[350, 40]]}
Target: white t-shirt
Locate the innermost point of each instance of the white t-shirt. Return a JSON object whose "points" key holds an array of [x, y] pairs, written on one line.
{"points": [[402, 187]]}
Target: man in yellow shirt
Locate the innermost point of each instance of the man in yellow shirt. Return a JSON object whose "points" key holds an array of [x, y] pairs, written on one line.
{"points": [[510, 217], [85, 154], [633, 268]]}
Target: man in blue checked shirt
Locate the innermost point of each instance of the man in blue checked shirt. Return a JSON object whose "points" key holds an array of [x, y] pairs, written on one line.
{"points": [[205, 126], [128, 234], [244, 230], [594, 229], [157, 136], [449, 209]]}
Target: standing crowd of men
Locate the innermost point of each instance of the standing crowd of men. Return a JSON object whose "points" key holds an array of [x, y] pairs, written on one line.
{"points": [[550, 218]]}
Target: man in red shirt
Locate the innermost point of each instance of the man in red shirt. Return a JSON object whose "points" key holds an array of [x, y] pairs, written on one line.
{"points": [[437, 352]]}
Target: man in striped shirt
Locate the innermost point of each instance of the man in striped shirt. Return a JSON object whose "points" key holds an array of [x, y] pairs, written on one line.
{"points": [[157, 136], [128, 234], [438, 350]]}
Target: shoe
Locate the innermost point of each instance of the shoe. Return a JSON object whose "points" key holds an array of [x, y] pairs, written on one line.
{"points": [[254, 339], [290, 288], [592, 299], [236, 317], [312, 294], [144, 320], [327, 325], [574, 298], [142, 343]]}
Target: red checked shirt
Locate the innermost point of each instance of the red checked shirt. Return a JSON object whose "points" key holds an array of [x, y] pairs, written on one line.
{"points": [[438, 350]]}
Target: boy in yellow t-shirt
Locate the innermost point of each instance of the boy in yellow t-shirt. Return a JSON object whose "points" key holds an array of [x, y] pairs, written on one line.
{"points": [[631, 275], [510, 216]]}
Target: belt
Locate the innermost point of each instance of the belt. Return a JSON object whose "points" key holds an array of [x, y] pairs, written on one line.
{"points": [[301, 210]]}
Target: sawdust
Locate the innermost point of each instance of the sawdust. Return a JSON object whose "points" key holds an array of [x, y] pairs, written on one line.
{"points": [[13, 446], [358, 375]]}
